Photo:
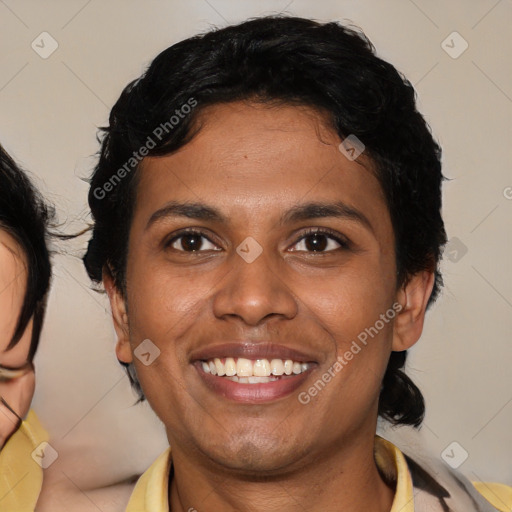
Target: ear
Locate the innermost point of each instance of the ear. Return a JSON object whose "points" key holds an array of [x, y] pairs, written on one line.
{"points": [[120, 318], [413, 297]]}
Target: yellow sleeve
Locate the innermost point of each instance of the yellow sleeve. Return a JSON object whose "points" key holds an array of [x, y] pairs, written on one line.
{"points": [[21, 477], [498, 495]]}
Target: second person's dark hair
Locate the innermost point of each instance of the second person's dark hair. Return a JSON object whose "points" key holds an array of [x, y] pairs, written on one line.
{"points": [[25, 216]]}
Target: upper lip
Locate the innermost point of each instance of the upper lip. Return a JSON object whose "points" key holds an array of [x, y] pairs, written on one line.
{"points": [[250, 350]]}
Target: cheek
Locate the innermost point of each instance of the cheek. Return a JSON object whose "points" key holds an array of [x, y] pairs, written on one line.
{"points": [[10, 306], [355, 311], [362, 344], [9, 312], [18, 355], [162, 304], [352, 301], [163, 307]]}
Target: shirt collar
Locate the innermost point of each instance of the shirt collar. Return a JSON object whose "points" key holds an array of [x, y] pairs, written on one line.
{"points": [[21, 477], [393, 466], [151, 491]]}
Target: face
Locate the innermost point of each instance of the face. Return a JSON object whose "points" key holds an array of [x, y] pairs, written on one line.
{"points": [[17, 392], [290, 259]]}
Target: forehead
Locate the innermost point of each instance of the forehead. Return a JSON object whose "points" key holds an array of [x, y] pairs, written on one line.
{"points": [[11, 254], [12, 285], [260, 157]]}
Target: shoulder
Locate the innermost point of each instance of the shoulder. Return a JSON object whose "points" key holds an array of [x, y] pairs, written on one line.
{"points": [[21, 465], [498, 495], [434, 480]]}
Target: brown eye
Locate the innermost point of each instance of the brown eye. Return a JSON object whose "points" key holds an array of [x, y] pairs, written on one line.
{"points": [[191, 241], [320, 241], [316, 242]]}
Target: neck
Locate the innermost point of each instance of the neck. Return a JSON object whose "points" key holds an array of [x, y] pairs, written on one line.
{"points": [[345, 479]]}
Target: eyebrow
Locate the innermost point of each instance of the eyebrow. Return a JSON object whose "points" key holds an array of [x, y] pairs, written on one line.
{"points": [[307, 211], [317, 210], [197, 211]]}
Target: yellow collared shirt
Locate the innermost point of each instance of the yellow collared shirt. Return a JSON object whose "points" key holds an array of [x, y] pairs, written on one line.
{"points": [[21, 477], [151, 491]]}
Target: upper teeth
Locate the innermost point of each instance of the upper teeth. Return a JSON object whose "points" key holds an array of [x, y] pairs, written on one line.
{"points": [[242, 367]]}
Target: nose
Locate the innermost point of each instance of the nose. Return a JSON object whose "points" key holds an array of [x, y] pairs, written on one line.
{"points": [[254, 292]]}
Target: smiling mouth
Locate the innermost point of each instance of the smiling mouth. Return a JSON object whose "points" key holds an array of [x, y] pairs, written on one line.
{"points": [[257, 371], [252, 373], [253, 381]]}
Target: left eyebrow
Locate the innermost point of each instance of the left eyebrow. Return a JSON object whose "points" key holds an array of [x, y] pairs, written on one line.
{"points": [[316, 210]]}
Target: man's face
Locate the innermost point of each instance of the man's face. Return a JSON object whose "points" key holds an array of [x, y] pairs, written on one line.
{"points": [[196, 297]]}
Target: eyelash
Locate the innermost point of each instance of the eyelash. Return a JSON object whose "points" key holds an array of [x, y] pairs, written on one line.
{"points": [[343, 242]]}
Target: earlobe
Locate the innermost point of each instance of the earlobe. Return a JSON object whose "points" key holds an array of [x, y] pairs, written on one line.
{"points": [[124, 351], [413, 297], [120, 318]]}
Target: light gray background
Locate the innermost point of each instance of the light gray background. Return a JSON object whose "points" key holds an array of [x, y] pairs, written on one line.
{"points": [[49, 113]]}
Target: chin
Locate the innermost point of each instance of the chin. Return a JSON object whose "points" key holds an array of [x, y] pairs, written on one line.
{"points": [[254, 457]]}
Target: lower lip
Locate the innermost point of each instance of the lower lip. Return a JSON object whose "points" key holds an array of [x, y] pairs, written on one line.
{"points": [[252, 393]]}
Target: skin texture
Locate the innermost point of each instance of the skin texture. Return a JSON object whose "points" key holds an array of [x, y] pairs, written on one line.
{"points": [[17, 392], [59, 494], [253, 163]]}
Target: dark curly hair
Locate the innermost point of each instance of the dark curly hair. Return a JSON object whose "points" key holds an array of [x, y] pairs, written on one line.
{"points": [[278, 59], [26, 217]]}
